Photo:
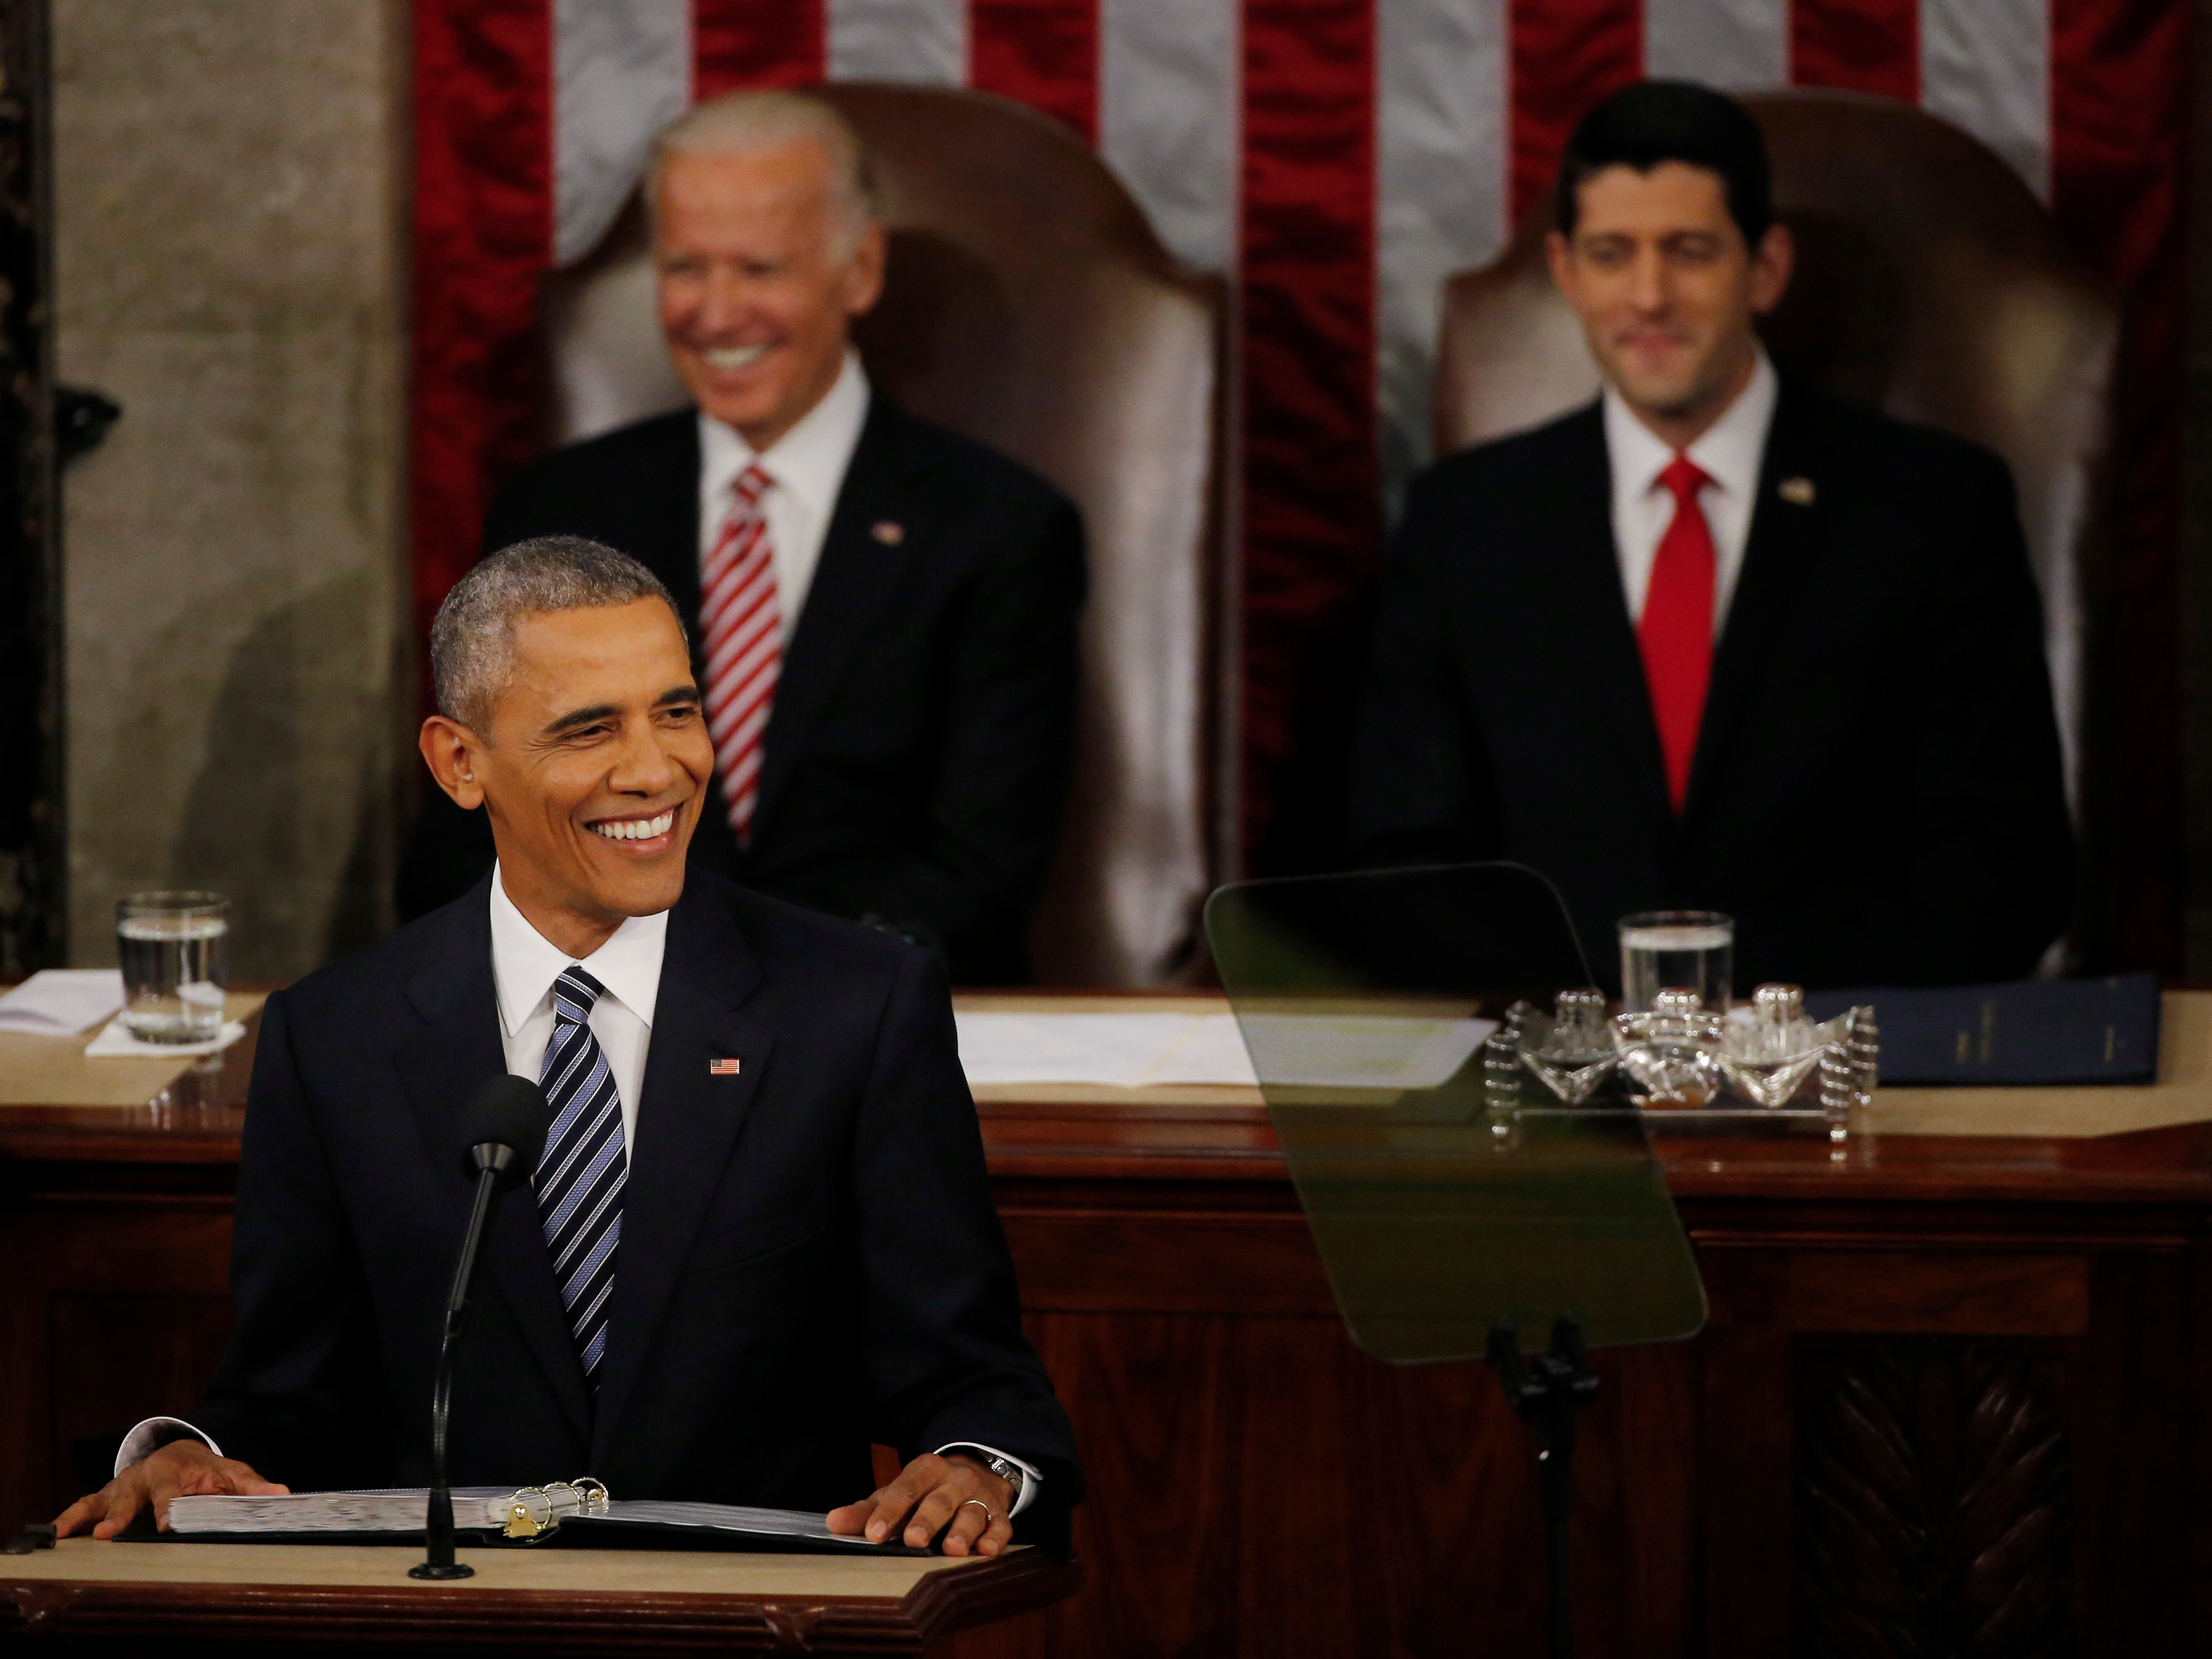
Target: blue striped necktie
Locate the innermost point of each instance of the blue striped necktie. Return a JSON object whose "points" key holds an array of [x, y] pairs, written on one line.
{"points": [[579, 1178]]}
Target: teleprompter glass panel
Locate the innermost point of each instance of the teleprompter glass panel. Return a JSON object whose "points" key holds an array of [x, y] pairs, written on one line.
{"points": [[1442, 1201]]}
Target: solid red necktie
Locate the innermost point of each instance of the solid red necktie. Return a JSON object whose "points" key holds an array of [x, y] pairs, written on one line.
{"points": [[1676, 633]]}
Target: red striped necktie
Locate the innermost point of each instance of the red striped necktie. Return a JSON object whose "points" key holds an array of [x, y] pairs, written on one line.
{"points": [[743, 639], [1676, 633]]}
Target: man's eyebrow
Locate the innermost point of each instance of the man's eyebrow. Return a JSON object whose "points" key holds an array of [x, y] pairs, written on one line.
{"points": [[676, 694], [575, 717]]}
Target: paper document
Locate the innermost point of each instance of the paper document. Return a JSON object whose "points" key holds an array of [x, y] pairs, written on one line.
{"points": [[1137, 1050], [62, 1001], [559, 1511]]}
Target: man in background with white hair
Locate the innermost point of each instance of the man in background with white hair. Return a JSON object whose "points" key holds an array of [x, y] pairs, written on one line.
{"points": [[884, 613]]}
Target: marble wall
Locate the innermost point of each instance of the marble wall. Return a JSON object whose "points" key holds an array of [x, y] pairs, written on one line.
{"points": [[230, 181]]}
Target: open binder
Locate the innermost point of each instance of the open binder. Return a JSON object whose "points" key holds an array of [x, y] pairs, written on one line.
{"points": [[577, 1514]]}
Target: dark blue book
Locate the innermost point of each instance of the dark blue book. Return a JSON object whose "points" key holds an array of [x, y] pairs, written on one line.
{"points": [[2035, 1031]]}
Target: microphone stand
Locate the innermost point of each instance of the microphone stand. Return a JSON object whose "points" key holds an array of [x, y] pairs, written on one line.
{"points": [[1547, 1389], [491, 1159]]}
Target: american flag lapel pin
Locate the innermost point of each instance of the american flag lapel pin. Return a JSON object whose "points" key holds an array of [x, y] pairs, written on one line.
{"points": [[1798, 492], [889, 532], [722, 1067]]}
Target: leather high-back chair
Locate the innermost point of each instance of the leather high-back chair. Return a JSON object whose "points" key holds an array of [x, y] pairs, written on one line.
{"points": [[1028, 305], [1931, 283]]}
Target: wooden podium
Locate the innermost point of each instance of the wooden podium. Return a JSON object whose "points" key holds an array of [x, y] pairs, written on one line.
{"points": [[141, 1597]]}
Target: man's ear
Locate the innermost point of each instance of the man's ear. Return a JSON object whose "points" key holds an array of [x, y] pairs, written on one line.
{"points": [[863, 274], [1558, 256], [449, 750], [1771, 262]]}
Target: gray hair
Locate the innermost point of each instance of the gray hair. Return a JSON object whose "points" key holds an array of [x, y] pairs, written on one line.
{"points": [[472, 640], [741, 123]]}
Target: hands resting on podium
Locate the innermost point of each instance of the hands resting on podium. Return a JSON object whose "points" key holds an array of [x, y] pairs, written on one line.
{"points": [[926, 1494], [183, 1468]]}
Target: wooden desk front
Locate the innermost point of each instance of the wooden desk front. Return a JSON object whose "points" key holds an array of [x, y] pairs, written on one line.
{"points": [[611, 1604], [1948, 1400]]}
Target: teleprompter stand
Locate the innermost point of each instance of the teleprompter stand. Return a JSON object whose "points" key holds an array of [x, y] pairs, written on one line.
{"points": [[1547, 1390], [1450, 1218]]}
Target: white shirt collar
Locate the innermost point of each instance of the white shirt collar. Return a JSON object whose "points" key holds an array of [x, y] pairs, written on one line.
{"points": [[1728, 452], [809, 460], [524, 963]]}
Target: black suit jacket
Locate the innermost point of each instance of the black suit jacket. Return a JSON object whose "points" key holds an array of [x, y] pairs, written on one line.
{"points": [[810, 1256], [917, 759], [1876, 793]]}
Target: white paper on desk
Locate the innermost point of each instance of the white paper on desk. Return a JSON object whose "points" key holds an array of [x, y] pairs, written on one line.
{"points": [[116, 1042], [1362, 1051], [62, 1001], [1115, 1050]]}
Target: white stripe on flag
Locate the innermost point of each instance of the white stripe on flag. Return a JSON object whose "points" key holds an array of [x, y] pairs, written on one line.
{"points": [[1743, 44], [1986, 65], [1440, 112], [1167, 118], [922, 41], [622, 71]]}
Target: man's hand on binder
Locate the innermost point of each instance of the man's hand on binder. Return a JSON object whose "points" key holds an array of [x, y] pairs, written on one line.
{"points": [[181, 1468], [929, 1491]]}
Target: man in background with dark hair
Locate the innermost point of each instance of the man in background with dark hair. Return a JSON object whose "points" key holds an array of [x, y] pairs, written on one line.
{"points": [[1719, 640]]}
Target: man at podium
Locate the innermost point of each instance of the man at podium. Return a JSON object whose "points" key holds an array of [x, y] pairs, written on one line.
{"points": [[762, 1233], [1718, 640]]}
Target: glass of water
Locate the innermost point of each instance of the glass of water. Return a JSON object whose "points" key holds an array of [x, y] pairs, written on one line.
{"points": [[1676, 950], [171, 946]]}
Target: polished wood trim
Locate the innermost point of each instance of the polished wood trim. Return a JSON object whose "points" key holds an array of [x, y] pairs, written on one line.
{"points": [[461, 1618]]}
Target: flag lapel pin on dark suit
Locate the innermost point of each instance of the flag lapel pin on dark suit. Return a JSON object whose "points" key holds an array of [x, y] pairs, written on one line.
{"points": [[722, 1067], [889, 533], [1798, 492]]}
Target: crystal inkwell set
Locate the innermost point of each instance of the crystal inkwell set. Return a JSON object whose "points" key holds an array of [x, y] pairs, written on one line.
{"points": [[1680, 1052]]}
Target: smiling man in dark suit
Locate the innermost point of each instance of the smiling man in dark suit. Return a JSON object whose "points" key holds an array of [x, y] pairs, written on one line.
{"points": [[884, 612], [1719, 640], [762, 1233]]}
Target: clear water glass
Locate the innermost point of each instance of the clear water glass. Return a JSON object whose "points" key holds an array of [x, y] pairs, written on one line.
{"points": [[1676, 950], [170, 947]]}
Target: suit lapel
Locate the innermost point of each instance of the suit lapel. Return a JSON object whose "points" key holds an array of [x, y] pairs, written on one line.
{"points": [[688, 1121], [454, 1052], [1598, 626], [1778, 555], [856, 573]]}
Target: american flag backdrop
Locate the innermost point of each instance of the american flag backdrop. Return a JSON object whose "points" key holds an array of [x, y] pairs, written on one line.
{"points": [[1337, 158]]}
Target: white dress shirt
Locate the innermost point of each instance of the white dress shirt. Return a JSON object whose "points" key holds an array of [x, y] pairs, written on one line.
{"points": [[1728, 453], [525, 964], [806, 469]]}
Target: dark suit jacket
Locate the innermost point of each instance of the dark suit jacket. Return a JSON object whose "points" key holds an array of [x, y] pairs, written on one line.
{"points": [[918, 755], [810, 1256], [1876, 794]]}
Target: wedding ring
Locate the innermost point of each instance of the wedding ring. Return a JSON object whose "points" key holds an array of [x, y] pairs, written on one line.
{"points": [[988, 1516]]}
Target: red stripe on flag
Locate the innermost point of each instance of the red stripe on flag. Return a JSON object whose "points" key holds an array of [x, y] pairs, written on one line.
{"points": [[1042, 52], [2119, 95], [1860, 45], [1310, 475], [483, 165], [1567, 54], [756, 43]]}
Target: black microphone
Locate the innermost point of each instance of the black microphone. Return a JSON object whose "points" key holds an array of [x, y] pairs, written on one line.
{"points": [[504, 1130]]}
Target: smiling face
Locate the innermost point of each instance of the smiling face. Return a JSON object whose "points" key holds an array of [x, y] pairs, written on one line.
{"points": [[1666, 290], [761, 274], [594, 769]]}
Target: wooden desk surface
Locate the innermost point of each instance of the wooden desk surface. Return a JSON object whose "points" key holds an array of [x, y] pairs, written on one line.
{"points": [[1214, 1134], [624, 1601]]}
